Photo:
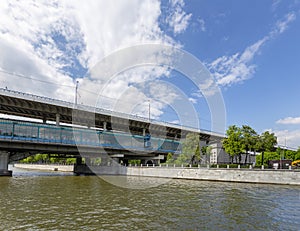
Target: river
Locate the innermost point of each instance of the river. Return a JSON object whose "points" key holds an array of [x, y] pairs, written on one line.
{"points": [[32, 200]]}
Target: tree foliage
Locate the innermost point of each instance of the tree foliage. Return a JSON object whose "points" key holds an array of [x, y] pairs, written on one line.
{"points": [[48, 159], [233, 142], [245, 139], [190, 151]]}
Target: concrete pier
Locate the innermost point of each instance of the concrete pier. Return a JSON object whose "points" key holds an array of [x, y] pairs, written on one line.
{"points": [[4, 158]]}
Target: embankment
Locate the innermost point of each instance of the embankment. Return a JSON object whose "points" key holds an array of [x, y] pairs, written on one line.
{"points": [[289, 177], [232, 175], [46, 167]]}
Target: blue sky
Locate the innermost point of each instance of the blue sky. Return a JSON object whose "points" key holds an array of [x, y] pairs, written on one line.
{"points": [[251, 49]]}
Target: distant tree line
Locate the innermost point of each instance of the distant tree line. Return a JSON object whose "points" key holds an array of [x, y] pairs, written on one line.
{"points": [[48, 159], [277, 155]]}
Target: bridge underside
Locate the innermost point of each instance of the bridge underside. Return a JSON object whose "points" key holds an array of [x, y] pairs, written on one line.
{"points": [[19, 150]]}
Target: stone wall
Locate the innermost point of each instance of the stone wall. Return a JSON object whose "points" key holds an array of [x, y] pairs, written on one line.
{"points": [[232, 175], [46, 167]]}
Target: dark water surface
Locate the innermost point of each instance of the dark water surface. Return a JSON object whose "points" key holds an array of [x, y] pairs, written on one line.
{"points": [[38, 201]]}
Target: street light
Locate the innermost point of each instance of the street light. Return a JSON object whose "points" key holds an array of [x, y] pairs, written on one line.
{"points": [[76, 89], [149, 110]]}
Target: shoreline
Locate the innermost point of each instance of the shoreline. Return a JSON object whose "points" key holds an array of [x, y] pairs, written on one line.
{"points": [[266, 176]]}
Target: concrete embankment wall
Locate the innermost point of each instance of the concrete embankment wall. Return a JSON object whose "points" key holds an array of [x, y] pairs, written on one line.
{"points": [[46, 167], [290, 177], [232, 175]]}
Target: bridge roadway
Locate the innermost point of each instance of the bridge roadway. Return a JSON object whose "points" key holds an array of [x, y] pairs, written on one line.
{"points": [[130, 131]]}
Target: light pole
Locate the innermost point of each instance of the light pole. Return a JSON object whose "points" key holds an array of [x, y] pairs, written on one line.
{"points": [[76, 89], [149, 110]]}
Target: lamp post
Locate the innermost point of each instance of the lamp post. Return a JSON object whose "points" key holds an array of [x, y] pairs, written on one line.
{"points": [[149, 111], [76, 89]]}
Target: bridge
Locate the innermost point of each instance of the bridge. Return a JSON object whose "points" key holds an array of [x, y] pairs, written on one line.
{"points": [[84, 131]]}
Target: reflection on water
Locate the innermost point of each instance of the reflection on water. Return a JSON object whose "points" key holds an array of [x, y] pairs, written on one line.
{"points": [[65, 202]]}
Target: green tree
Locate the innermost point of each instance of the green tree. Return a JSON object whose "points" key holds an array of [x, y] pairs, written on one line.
{"points": [[265, 142], [267, 157], [248, 139], [233, 142], [170, 159], [206, 150], [289, 154], [190, 150], [297, 154]]}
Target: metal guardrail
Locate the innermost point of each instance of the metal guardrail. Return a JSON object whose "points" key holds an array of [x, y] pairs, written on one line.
{"points": [[92, 109]]}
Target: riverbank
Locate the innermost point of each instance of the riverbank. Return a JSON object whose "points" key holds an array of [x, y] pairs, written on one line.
{"points": [[46, 167], [287, 177], [267, 176]]}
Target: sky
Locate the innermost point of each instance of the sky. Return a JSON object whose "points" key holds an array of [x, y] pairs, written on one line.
{"points": [[250, 48]]}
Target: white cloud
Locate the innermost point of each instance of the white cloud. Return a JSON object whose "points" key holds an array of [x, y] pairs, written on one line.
{"points": [[289, 120], [201, 24], [192, 100], [275, 4], [178, 19], [282, 25], [236, 68], [46, 40], [239, 67], [289, 138]]}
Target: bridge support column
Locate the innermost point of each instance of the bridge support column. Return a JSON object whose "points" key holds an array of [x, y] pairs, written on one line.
{"points": [[78, 160], [57, 119], [44, 119], [4, 157], [104, 126]]}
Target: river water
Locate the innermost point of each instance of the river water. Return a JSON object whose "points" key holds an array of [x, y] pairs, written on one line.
{"points": [[45, 201]]}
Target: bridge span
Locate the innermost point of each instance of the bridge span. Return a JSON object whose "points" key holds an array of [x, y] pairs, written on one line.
{"points": [[81, 129]]}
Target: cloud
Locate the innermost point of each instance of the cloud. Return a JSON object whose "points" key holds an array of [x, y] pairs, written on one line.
{"points": [[201, 24], [178, 19], [235, 68], [282, 25], [46, 46], [288, 138], [239, 67], [289, 120], [275, 4]]}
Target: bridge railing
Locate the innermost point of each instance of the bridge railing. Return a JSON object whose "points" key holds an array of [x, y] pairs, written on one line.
{"points": [[44, 133]]}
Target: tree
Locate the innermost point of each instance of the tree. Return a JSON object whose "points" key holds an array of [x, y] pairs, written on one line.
{"points": [[297, 154], [206, 150], [169, 158], [266, 142], [267, 157], [233, 142], [190, 150], [289, 155], [248, 139]]}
